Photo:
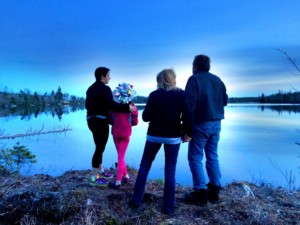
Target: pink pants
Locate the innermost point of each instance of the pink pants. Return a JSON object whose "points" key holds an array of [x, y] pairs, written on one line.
{"points": [[121, 144]]}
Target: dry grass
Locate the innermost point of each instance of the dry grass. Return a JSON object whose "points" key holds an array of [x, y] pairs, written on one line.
{"points": [[69, 199]]}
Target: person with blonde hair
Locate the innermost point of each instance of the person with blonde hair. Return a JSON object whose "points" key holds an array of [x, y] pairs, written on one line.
{"points": [[165, 112]]}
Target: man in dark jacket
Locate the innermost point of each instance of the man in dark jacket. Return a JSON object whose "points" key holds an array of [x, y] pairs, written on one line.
{"points": [[205, 97], [99, 101]]}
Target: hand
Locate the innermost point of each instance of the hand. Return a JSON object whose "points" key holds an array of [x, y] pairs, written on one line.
{"points": [[132, 108], [186, 138]]}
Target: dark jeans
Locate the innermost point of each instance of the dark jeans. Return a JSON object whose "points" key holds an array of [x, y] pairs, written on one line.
{"points": [[150, 151], [100, 130]]}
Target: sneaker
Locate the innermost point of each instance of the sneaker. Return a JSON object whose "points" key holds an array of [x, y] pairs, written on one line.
{"points": [[92, 179], [97, 182], [105, 175], [113, 185], [101, 182]]}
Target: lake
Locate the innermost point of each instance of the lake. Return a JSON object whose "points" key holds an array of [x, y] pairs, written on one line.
{"points": [[258, 144]]}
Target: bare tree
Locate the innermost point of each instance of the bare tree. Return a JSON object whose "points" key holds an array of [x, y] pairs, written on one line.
{"points": [[290, 59], [293, 62]]}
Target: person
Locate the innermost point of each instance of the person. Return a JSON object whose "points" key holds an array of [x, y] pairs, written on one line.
{"points": [[122, 123], [165, 112], [99, 101], [206, 98]]}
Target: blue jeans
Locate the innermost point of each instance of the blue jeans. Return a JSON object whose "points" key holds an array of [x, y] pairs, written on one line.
{"points": [[206, 136], [171, 154]]}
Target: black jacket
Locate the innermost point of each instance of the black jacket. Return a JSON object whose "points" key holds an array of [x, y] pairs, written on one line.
{"points": [[165, 111], [99, 100]]}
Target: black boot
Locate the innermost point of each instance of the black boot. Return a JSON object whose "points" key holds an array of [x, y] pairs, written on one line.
{"points": [[213, 192], [197, 197]]}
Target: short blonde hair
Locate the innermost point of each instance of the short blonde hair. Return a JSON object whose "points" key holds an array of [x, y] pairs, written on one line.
{"points": [[166, 79]]}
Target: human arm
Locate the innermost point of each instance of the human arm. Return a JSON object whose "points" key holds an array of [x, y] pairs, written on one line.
{"points": [[134, 116], [191, 97], [148, 110], [186, 138], [225, 96]]}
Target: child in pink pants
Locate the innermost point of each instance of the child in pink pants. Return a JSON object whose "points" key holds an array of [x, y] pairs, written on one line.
{"points": [[122, 123]]}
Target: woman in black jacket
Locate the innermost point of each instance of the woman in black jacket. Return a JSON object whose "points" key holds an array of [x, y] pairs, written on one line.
{"points": [[165, 112], [99, 101]]}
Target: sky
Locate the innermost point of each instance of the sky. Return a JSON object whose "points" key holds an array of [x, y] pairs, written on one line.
{"points": [[59, 43]]}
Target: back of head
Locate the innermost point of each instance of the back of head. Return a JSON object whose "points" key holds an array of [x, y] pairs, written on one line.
{"points": [[166, 79], [101, 71], [201, 63]]}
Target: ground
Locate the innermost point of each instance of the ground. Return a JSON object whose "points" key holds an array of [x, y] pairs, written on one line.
{"points": [[69, 199]]}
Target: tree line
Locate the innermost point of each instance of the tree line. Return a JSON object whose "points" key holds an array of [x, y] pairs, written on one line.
{"points": [[279, 98], [25, 103], [25, 99]]}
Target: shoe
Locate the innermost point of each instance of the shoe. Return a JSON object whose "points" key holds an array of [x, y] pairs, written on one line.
{"points": [[99, 182], [213, 192], [92, 179], [125, 180], [168, 212], [113, 185], [138, 208], [197, 197], [105, 175], [149, 197]]}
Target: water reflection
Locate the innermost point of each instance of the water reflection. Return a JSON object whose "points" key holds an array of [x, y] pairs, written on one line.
{"points": [[253, 135], [28, 113], [280, 108]]}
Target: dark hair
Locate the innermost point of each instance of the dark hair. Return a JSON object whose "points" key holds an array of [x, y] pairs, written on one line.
{"points": [[101, 72], [202, 63]]}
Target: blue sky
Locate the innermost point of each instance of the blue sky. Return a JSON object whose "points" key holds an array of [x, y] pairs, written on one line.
{"points": [[46, 44]]}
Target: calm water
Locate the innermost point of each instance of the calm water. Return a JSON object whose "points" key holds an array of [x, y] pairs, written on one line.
{"points": [[258, 144]]}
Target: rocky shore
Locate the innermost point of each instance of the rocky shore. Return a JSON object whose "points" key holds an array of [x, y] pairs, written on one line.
{"points": [[69, 199]]}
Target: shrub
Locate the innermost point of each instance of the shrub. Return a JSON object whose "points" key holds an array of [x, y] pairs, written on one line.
{"points": [[13, 159]]}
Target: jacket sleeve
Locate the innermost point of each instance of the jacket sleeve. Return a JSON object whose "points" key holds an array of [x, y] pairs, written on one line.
{"points": [[134, 118], [118, 107], [187, 122], [191, 96], [147, 113], [225, 96]]}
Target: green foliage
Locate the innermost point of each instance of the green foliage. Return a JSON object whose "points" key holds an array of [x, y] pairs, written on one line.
{"points": [[159, 181], [13, 159], [111, 221]]}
